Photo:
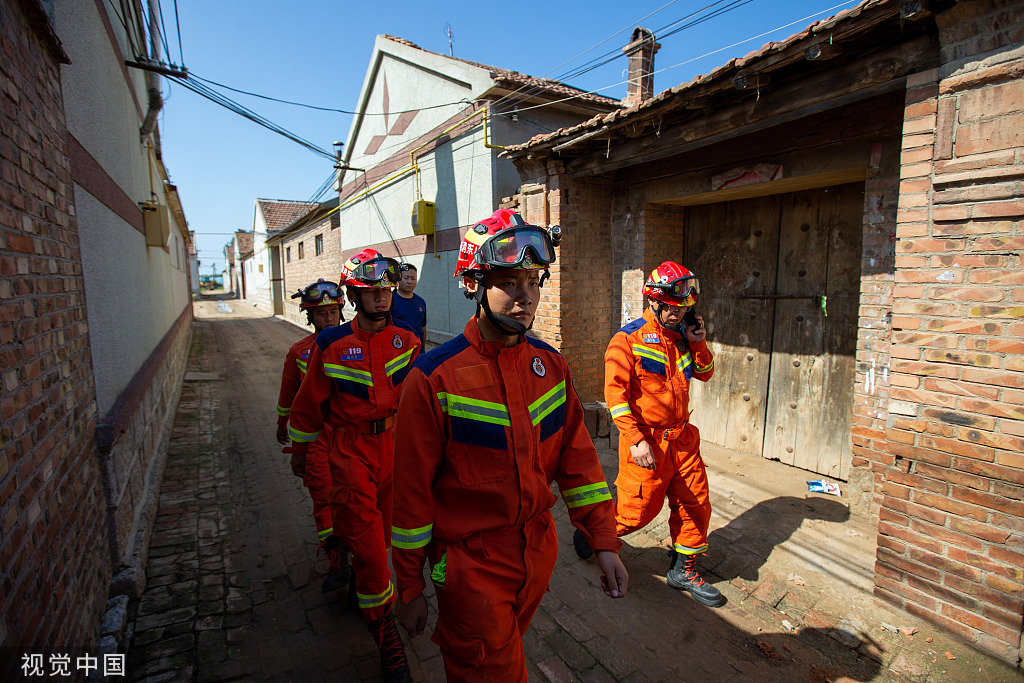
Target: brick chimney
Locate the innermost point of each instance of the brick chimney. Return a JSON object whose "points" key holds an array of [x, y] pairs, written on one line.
{"points": [[641, 51]]}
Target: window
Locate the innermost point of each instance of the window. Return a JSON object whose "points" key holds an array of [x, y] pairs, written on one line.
{"points": [[287, 254], [301, 250], [318, 244]]}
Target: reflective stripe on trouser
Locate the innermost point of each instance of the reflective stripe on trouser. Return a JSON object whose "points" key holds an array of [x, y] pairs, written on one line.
{"points": [[680, 476], [362, 469], [317, 481], [494, 583]]}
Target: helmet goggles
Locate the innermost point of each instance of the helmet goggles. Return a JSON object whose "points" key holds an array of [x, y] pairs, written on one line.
{"points": [[680, 288], [527, 247], [320, 293], [377, 272]]}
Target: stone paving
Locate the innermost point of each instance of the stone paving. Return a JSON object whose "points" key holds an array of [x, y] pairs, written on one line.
{"points": [[233, 584]]}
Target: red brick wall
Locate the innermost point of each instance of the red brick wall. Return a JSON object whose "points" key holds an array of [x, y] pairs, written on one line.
{"points": [[578, 296], [300, 272], [54, 550], [951, 532]]}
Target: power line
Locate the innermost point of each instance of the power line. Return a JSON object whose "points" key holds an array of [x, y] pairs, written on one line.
{"points": [[312, 106]]}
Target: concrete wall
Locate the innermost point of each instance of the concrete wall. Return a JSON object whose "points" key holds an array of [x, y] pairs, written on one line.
{"points": [[258, 268]]}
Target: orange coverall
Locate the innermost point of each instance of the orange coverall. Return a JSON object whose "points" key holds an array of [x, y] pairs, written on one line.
{"points": [[648, 369], [318, 477], [485, 430], [352, 386]]}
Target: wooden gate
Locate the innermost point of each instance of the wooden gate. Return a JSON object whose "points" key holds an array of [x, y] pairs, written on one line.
{"points": [[780, 278]]}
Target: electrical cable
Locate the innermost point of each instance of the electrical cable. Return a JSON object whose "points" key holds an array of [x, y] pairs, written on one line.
{"points": [[177, 25], [311, 106]]}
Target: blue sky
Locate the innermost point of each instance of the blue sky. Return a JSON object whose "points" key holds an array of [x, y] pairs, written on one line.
{"points": [[316, 52]]}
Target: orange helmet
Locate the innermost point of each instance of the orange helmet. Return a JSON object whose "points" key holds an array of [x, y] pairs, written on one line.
{"points": [[505, 240], [320, 293], [369, 268], [671, 283]]}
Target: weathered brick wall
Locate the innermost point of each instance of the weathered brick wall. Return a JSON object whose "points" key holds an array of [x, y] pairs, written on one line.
{"points": [[301, 272], [53, 528], [951, 532], [874, 323]]}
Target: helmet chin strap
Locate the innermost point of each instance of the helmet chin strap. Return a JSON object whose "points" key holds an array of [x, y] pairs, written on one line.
{"points": [[374, 316], [657, 316], [504, 324]]}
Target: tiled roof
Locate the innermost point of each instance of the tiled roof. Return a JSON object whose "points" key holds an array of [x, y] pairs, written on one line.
{"points": [[724, 71], [514, 79], [280, 213], [244, 240]]}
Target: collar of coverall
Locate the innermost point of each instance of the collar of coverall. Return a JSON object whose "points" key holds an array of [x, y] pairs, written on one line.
{"points": [[651, 317], [363, 334], [485, 347]]}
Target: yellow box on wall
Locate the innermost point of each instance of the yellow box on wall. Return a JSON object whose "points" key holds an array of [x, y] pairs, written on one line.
{"points": [[422, 217], [157, 221]]}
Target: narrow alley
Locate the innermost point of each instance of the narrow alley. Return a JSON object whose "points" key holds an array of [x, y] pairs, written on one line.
{"points": [[233, 584]]}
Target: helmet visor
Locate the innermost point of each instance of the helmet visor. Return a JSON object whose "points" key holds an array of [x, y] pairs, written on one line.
{"points": [[316, 292], [681, 288], [514, 247], [378, 272]]}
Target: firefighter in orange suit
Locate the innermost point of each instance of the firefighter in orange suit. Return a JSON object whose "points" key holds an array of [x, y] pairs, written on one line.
{"points": [[648, 368], [489, 420], [354, 377], [322, 302]]}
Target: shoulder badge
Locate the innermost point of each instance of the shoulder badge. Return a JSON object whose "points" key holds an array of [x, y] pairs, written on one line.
{"points": [[538, 367], [397, 342]]}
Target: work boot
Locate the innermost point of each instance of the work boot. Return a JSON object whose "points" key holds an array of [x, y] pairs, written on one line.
{"points": [[683, 575], [393, 664], [338, 569], [580, 545]]}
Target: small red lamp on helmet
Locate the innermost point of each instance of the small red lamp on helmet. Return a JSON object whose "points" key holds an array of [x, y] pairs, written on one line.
{"points": [[671, 283], [369, 270], [504, 242]]}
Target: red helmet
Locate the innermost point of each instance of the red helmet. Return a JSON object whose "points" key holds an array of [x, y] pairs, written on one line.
{"points": [[369, 269], [671, 283], [320, 293], [520, 245]]}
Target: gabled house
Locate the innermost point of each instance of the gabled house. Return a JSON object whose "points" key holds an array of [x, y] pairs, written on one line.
{"points": [[260, 263], [310, 249], [850, 199], [430, 129]]}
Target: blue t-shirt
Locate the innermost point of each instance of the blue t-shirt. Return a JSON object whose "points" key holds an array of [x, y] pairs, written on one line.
{"points": [[412, 312]]}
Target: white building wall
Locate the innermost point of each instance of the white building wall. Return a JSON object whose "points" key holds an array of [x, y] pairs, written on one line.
{"points": [[134, 293]]}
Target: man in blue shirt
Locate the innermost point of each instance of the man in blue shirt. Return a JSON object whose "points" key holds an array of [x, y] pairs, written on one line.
{"points": [[408, 307]]}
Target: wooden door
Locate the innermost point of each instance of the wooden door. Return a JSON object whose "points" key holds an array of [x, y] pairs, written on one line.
{"points": [[732, 247], [810, 390], [784, 370]]}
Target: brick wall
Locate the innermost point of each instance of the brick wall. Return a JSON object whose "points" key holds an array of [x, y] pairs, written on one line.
{"points": [[874, 323], [578, 296], [53, 533], [298, 272], [951, 531]]}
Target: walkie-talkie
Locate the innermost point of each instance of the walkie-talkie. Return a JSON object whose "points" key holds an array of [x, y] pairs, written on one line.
{"points": [[690, 319]]}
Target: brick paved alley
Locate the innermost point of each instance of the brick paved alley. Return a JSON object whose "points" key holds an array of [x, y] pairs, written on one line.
{"points": [[233, 587]]}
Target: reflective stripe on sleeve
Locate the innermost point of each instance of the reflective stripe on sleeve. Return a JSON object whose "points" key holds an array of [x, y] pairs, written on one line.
{"points": [[701, 369], [409, 539], [283, 412], [368, 601], [351, 374], [302, 437], [586, 495], [397, 364], [302, 365], [543, 406], [683, 361], [619, 410]]}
